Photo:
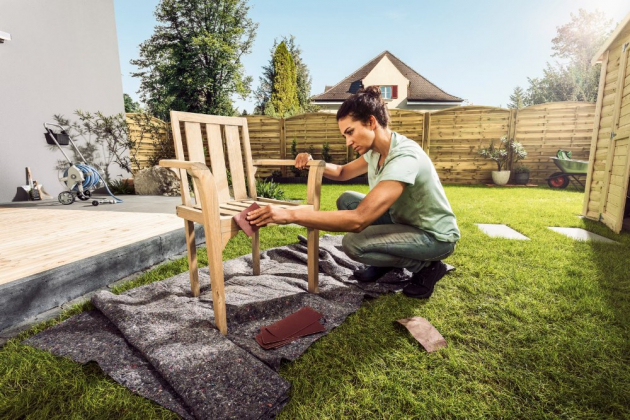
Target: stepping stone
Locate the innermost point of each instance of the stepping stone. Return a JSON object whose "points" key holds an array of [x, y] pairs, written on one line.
{"points": [[501, 231], [582, 235]]}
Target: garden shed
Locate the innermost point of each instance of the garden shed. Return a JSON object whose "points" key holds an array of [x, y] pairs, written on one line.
{"points": [[606, 195]]}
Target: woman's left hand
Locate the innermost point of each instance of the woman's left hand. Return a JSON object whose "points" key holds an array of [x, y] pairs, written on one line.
{"points": [[268, 214]]}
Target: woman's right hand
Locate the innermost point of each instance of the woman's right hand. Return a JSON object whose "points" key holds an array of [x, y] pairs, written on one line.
{"points": [[301, 160]]}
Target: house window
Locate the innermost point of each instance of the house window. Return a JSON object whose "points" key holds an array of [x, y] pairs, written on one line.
{"points": [[389, 92]]}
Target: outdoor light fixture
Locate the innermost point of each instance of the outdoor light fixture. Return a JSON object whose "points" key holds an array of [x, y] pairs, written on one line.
{"points": [[4, 37]]}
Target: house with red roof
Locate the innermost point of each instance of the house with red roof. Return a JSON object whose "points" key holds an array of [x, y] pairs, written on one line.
{"points": [[401, 87]]}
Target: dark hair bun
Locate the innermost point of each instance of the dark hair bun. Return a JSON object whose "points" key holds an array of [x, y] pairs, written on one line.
{"points": [[365, 103], [373, 91]]}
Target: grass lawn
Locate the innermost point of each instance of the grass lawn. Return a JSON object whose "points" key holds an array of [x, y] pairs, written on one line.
{"points": [[536, 329]]}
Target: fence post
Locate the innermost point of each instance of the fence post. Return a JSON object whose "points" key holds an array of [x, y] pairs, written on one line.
{"points": [[511, 137], [426, 138], [283, 145]]}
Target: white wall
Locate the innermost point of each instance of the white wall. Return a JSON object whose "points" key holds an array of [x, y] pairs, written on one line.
{"points": [[63, 56]]}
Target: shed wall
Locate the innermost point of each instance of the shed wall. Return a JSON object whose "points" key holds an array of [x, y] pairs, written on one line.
{"points": [[599, 168]]}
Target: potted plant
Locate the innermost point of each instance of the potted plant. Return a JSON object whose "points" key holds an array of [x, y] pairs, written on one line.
{"points": [[521, 172], [521, 175], [501, 156], [508, 153]]}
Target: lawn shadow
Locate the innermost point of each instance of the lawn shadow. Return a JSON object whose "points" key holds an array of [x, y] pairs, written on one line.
{"points": [[612, 262]]}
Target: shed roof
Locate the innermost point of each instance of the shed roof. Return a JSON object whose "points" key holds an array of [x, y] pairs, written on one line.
{"points": [[613, 37], [420, 89]]}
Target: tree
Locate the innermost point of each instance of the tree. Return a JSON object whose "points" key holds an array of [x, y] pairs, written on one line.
{"points": [[556, 85], [284, 89], [580, 39], [192, 62], [130, 104], [517, 98], [303, 79], [574, 79]]}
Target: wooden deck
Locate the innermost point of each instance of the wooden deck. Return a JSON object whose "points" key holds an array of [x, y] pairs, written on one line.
{"points": [[36, 240]]}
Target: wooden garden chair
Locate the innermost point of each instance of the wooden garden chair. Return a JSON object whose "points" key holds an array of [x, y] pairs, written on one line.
{"points": [[215, 203]]}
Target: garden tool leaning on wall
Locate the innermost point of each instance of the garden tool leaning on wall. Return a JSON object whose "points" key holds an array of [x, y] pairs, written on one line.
{"points": [[32, 189], [80, 179]]}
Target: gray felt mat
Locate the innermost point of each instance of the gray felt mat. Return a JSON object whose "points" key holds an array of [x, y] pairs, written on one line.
{"points": [[161, 343]]}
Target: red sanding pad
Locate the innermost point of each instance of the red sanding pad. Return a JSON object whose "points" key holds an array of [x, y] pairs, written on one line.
{"points": [[241, 220]]}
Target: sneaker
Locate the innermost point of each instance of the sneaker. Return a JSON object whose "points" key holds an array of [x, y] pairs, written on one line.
{"points": [[423, 282], [370, 273]]}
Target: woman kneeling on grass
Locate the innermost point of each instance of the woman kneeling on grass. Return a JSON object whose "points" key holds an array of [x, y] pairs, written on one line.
{"points": [[405, 221]]}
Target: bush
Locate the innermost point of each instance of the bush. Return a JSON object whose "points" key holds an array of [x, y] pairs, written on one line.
{"points": [[100, 139], [326, 156], [521, 170], [121, 186], [269, 189]]}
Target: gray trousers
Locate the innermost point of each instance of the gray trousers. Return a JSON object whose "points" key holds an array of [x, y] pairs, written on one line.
{"points": [[388, 244]]}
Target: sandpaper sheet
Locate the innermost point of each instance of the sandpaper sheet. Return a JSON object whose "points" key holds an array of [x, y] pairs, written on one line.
{"points": [[302, 323], [241, 220], [426, 334], [292, 324], [314, 328]]}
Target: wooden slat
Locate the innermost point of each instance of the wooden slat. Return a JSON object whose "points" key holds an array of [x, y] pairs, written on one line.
{"points": [[234, 206], [229, 212], [217, 161], [179, 154], [235, 156], [247, 155], [194, 144]]}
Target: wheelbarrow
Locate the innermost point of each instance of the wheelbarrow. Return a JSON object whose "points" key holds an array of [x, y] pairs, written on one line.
{"points": [[571, 169]]}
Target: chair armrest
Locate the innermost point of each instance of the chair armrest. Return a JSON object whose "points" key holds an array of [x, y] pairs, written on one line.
{"points": [[282, 162], [183, 164], [203, 182], [315, 174], [273, 162]]}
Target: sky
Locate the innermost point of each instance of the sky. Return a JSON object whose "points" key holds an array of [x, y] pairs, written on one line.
{"points": [[477, 50]]}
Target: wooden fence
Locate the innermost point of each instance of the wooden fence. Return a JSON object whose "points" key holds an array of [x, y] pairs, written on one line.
{"points": [[545, 128], [147, 133], [451, 137], [455, 136]]}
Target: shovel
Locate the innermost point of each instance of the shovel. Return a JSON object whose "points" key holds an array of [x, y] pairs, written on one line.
{"points": [[33, 189]]}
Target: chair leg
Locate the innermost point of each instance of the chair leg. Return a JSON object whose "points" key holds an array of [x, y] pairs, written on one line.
{"points": [[189, 228], [313, 260], [256, 253], [215, 266]]}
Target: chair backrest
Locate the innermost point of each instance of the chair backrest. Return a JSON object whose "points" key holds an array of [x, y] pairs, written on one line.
{"points": [[194, 134]]}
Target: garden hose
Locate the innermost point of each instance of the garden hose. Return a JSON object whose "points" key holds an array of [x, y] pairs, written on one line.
{"points": [[91, 178]]}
